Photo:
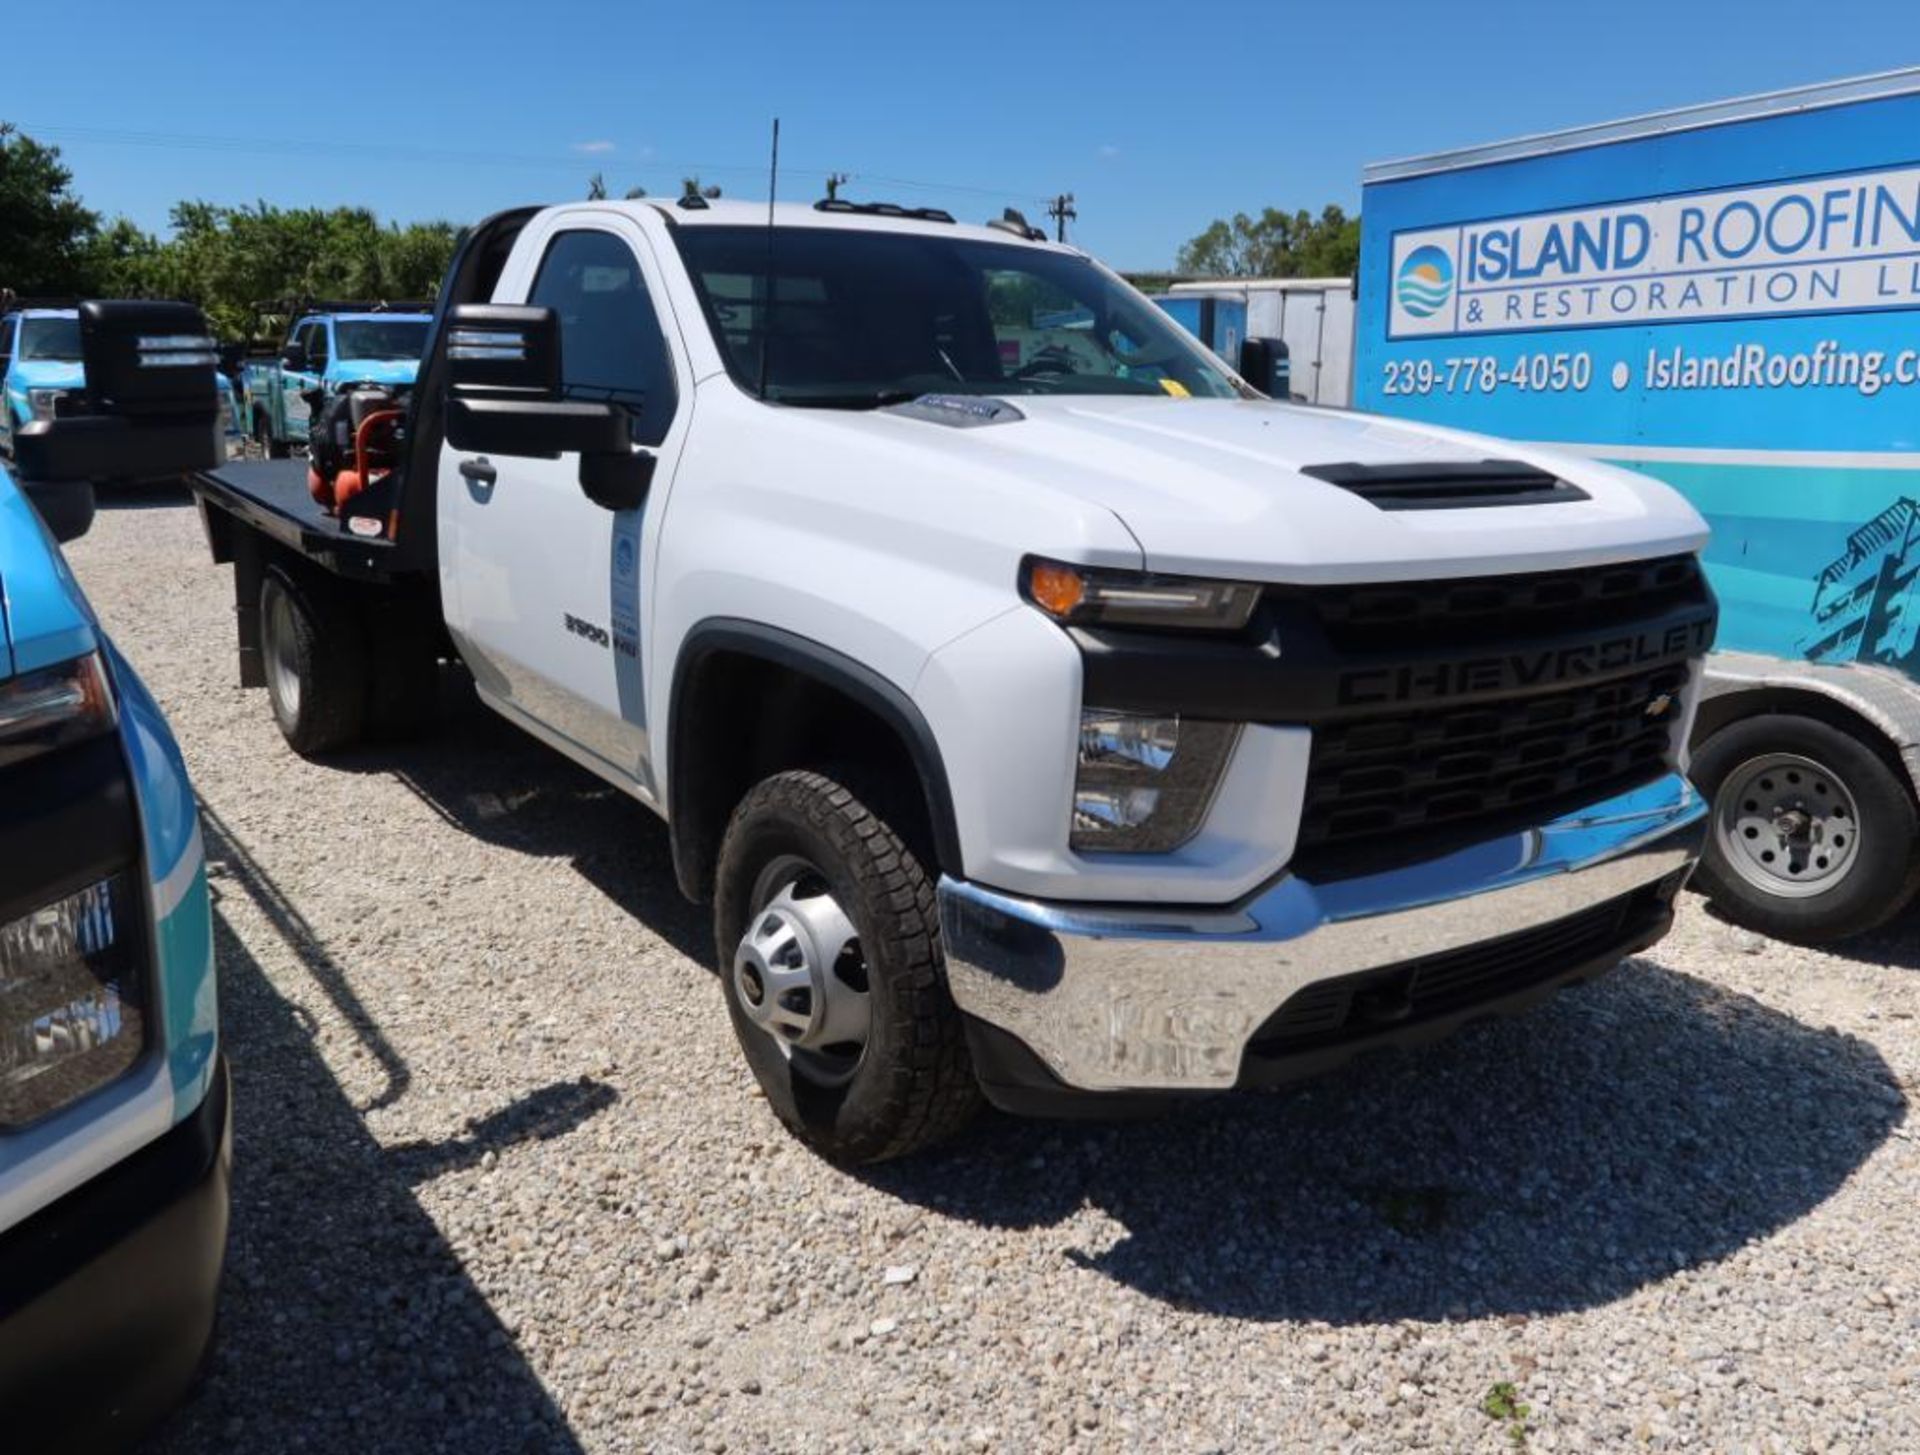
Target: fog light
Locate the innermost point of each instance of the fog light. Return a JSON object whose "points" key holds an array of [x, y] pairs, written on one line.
{"points": [[72, 1000], [1145, 780]]}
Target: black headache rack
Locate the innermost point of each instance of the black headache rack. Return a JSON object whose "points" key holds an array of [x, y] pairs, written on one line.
{"points": [[244, 502], [150, 410]]}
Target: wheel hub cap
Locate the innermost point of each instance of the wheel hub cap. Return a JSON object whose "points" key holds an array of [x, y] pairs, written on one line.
{"points": [[800, 978], [1787, 825]]}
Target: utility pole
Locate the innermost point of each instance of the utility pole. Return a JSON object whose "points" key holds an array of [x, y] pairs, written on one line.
{"points": [[1061, 211], [835, 181]]}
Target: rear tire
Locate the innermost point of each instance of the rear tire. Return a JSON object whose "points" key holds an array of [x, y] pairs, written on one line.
{"points": [[1813, 837], [316, 663], [855, 1041], [270, 448]]}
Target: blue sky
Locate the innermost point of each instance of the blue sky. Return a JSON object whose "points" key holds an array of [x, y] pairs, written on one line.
{"points": [[1157, 117]]}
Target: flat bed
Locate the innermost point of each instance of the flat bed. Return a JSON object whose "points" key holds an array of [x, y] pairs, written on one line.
{"points": [[272, 496]]}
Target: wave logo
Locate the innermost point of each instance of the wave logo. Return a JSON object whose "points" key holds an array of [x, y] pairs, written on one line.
{"points": [[1426, 281]]}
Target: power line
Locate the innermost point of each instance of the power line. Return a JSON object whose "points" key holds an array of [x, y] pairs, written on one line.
{"points": [[382, 151]]}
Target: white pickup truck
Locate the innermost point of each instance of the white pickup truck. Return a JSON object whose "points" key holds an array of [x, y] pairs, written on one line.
{"points": [[1044, 713]]}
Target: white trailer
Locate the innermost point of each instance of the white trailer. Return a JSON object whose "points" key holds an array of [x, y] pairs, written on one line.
{"points": [[1313, 316]]}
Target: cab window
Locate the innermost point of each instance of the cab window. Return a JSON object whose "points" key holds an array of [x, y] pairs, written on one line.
{"points": [[611, 344]]}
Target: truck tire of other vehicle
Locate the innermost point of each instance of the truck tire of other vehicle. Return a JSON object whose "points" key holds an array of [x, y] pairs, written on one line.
{"points": [[829, 951], [270, 448], [1814, 837], [316, 670]]}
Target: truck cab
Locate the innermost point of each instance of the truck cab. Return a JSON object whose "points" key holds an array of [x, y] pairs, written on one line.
{"points": [[1045, 714], [327, 348], [115, 1132]]}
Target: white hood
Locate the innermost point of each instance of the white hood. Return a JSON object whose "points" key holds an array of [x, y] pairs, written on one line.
{"points": [[1213, 487]]}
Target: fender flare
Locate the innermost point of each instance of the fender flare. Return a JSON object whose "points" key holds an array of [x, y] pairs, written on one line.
{"points": [[877, 694], [1876, 696]]}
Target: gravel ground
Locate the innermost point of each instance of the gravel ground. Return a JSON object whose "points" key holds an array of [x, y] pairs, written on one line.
{"points": [[502, 1181]]}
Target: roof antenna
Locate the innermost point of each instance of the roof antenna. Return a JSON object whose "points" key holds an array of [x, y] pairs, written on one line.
{"points": [[766, 319]]}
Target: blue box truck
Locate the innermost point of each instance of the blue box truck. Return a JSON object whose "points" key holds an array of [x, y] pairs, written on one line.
{"points": [[1725, 296]]}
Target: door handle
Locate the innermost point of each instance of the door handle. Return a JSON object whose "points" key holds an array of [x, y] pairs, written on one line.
{"points": [[479, 472]]}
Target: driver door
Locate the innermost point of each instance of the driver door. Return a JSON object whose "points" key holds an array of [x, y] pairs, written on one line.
{"points": [[546, 588]]}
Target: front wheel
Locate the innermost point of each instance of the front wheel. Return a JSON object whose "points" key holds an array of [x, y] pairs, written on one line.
{"points": [[830, 956], [1814, 837]]}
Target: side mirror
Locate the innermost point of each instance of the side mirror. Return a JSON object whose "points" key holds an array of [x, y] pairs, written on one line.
{"points": [[294, 357], [151, 408], [1264, 364], [65, 505], [504, 398]]}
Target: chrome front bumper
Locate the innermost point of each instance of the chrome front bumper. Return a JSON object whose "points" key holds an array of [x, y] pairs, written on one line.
{"points": [[1116, 998]]}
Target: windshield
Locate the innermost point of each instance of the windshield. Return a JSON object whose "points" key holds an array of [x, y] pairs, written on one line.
{"points": [[50, 338], [382, 338], [861, 319]]}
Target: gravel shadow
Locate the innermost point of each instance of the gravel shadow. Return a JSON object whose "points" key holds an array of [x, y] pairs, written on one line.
{"points": [[1894, 946], [146, 495], [346, 1321], [1645, 1123], [491, 780]]}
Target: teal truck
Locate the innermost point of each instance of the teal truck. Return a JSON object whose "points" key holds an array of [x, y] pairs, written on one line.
{"points": [[115, 1134], [327, 347]]}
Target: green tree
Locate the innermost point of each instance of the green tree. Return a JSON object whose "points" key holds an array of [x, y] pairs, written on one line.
{"points": [[596, 188], [1276, 244], [226, 259], [44, 229]]}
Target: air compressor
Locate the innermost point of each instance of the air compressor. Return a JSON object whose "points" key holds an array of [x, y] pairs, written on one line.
{"points": [[354, 445]]}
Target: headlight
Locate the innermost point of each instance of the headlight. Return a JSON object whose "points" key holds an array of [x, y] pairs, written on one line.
{"points": [[1145, 781], [72, 1000], [1086, 596], [45, 402], [50, 708]]}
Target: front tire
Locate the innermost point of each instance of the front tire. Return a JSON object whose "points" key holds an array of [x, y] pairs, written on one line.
{"points": [[315, 660], [1814, 837], [830, 957]]}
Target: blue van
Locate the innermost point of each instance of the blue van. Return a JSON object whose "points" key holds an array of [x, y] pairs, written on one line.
{"points": [[115, 1131], [1726, 296]]}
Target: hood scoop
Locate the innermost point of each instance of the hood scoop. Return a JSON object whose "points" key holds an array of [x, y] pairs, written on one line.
{"points": [[1449, 484], [958, 411]]}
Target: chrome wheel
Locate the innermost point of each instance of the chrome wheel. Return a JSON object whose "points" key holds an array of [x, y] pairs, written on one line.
{"points": [[799, 975], [282, 653], [1787, 825]]}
